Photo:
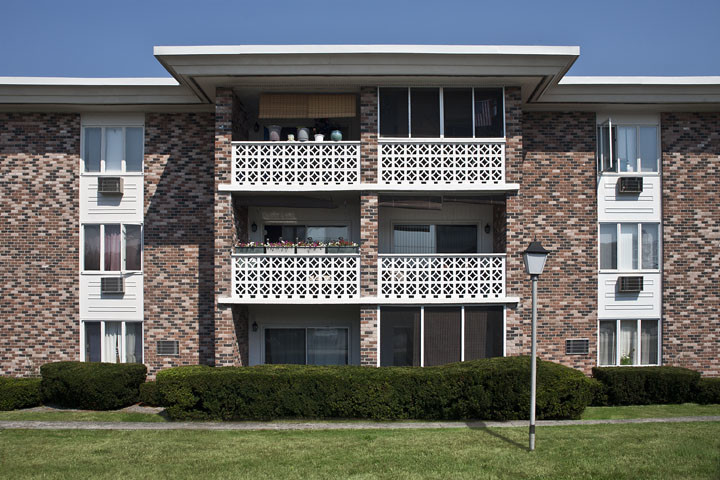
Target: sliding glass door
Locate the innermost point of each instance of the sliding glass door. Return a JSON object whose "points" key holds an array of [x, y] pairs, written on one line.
{"points": [[306, 346]]}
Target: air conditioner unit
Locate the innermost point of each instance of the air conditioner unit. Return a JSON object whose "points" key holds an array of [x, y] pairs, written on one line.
{"points": [[630, 185], [110, 185], [630, 284], [112, 285]]}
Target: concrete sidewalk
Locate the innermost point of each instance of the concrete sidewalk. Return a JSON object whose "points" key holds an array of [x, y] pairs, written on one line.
{"points": [[258, 426]]}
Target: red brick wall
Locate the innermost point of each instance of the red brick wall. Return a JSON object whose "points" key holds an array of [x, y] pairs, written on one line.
{"points": [[557, 204], [691, 240], [39, 238], [179, 263], [368, 134]]}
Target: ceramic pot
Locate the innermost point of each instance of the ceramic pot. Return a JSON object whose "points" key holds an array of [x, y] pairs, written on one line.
{"points": [[319, 137], [336, 135], [303, 134], [274, 132], [291, 137]]}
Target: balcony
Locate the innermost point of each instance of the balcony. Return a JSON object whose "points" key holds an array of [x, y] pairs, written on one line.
{"points": [[288, 165], [441, 163], [270, 278], [441, 277]]}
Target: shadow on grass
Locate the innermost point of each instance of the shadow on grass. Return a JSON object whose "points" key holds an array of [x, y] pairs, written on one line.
{"points": [[494, 433]]}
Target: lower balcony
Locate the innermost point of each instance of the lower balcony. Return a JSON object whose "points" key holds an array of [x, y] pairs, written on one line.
{"points": [[433, 278], [268, 278]]}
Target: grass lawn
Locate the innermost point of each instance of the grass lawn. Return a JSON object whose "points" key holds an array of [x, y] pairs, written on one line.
{"points": [[83, 416], [683, 451], [650, 411]]}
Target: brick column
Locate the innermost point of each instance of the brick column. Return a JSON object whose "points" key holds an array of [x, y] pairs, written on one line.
{"points": [[226, 344], [369, 326], [368, 134]]}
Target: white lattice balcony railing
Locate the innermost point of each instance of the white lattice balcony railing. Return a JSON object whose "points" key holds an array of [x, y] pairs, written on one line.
{"points": [[296, 277], [441, 276], [441, 162], [257, 164]]}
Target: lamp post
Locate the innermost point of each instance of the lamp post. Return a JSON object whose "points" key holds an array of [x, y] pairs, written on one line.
{"points": [[534, 258]]}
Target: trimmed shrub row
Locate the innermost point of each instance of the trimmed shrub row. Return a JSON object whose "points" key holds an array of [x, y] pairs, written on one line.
{"points": [[490, 389], [708, 391], [18, 393], [149, 394], [645, 385], [92, 386]]}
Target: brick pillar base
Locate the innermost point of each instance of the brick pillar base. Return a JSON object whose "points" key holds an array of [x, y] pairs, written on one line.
{"points": [[369, 347]]}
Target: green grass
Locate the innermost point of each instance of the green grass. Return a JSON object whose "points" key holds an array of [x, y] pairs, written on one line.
{"points": [[650, 411], [668, 451], [83, 416]]}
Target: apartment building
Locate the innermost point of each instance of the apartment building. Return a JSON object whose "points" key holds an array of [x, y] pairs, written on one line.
{"points": [[363, 205]]}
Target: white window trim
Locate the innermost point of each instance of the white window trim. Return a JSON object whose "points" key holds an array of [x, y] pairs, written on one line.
{"points": [[409, 136], [638, 341], [637, 126], [462, 328], [103, 353], [123, 245], [617, 248], [102, 171], [306, 328]]}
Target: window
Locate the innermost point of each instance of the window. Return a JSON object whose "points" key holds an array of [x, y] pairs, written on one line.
{"points": [[629, 342], [306, 346], [425, 336], [113, 342], [423, 112], [317, 233], [105, 249], [627, 148], [113, 149], [629, 246], [435, 239]]}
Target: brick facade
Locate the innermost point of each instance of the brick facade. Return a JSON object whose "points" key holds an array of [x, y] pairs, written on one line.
{"points": [[691, 236], [39, 238], [368, 134], [178, 257], [557, 205]]}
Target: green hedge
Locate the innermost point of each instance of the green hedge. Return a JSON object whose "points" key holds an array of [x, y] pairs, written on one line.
{"points": [[647, 385], [19, 393], [93, 386], [708, 391], [149, 394], [490, 389]]}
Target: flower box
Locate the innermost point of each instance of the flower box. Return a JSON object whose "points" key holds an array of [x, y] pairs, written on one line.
{"points": [[280, 250], [249, 249], [310, 250], [347, 249]]}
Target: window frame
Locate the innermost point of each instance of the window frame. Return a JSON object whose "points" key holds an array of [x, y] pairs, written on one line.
{"points": [[478, 238], [640, 269], [422, 327], [612, 142], [123, 247], [441, 118], [306, 328], [638, 341], [103, 171], [123, 333]]}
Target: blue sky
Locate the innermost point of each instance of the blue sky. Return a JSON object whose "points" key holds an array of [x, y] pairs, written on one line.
{"points": [[107, 39]]}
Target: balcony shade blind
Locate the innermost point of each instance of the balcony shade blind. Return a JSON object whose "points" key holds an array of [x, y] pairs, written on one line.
{"points": [[304, 105]]}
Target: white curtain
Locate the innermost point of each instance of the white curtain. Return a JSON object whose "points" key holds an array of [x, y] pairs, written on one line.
{"points": [[628, 258], [650, 246], [607, 343], [626, 145], [327, 346], [628, 341], [112, 248], [113, 339], [113, 149], [649, 342]]}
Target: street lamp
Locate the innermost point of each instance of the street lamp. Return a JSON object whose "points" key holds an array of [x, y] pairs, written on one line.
{"points": [[534, 258]]}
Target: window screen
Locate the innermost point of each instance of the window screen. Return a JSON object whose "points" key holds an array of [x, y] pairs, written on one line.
{"points": [[399, 337], [442, 335], [425, 112], [483, 332], [393, 112]]}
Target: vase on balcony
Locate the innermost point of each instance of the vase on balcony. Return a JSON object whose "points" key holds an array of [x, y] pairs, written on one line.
{"points": [[274, 132], [303, 134], [319, 137], [336, 135]]}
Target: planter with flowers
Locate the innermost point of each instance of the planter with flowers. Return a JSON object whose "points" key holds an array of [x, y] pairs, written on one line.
{"points": [[280, 248], [249, 247], [309, 247], [342, 246]]}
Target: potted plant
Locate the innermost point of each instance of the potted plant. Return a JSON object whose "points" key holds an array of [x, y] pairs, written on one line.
{"points": [[249, 247], [310, 247], [342, 246], [280, 248]]}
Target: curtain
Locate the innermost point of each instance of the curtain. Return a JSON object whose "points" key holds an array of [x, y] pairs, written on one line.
{"points": [[626, 149], [134, 149], [113, 337], [113, 149], [607, 343], [327, 346], [648, 149], [414, 239], [93, 145], [649, 342], [628, 342], [628, 258], [133, 342], [112, 248], [399, 336], [133, 247], [650, 242], [608, 246], [92, 247], [442, 335], [483, 332]]}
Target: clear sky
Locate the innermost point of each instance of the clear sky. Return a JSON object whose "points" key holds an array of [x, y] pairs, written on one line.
{"points": [[102, 38]]}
